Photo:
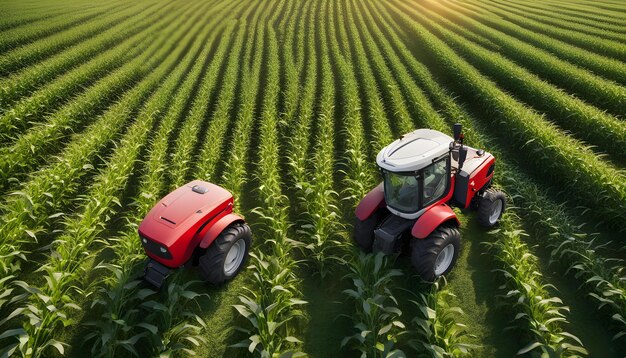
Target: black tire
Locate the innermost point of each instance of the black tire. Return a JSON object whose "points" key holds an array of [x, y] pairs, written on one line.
{"points": [[213, 266], [364, 231], [491, 201], [424, 252]]}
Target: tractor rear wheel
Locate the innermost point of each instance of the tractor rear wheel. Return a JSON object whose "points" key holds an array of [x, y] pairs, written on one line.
{"points": [[491, 207], [436, 254], [364, 231], [225, 257]]}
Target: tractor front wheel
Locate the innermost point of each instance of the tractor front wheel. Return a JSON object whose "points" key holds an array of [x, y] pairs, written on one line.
{"points": [[491, 207], [225, 257], [436, 254]]}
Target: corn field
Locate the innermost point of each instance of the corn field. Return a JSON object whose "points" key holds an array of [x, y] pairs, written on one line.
{"points": [[105, 107]]}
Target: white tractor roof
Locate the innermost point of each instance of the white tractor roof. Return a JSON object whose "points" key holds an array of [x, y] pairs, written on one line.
{"points": [[414, 151]]}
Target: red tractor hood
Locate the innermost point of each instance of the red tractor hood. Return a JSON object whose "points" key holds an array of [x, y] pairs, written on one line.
{"points": [[180, 214]]}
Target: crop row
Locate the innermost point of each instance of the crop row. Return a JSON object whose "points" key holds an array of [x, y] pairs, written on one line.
{"points": [[45, 138], [586, 122], [600, 56], [270, 305], [30, 110], [29, 211], [585, 11], [600, 92], [607, 48], [234, 178], [314, 178], [27, 55], [541, 17], [25, 16], [573, 19], [15, 37], [25, 81]]}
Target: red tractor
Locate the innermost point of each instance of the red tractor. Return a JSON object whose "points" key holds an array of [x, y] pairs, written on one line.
{"points": [[195, 225], [424, 173]]}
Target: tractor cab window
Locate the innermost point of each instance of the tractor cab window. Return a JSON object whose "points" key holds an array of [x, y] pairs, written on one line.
{"points": [[410, 192], [402, 191], [435, 181]]}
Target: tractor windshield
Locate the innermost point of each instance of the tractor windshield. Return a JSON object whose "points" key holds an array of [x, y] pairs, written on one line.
{"points": [[411, 192], [402, 192]]}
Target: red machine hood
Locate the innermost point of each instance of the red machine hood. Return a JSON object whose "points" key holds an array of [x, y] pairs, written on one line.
{"points": [[183, 211]]}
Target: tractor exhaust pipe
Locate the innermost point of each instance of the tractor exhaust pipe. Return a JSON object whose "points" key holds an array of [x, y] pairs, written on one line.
{"points": [[458, 138], [457, 132]]}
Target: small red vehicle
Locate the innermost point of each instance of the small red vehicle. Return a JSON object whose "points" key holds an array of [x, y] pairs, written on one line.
{"points": [[424, 173], [195, 225]]}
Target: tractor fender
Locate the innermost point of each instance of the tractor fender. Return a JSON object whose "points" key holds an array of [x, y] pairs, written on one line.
{"points": [[370, 203], [211, 231], [432, 219]]}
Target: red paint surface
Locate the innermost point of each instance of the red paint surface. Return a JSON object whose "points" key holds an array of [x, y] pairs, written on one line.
{"points": [[431, 219], [372, 201], [189, 211]]}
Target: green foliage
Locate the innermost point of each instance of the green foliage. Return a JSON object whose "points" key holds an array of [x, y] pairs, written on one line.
{"points": [[377, 317], [439, 334]]}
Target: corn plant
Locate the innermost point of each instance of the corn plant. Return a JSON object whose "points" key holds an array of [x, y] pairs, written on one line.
{"points": [[30, 110], [585, 121], [234, 177], [172, 316], [560, 39], [290, 75], [377, 317], [436, 326], [271, 305], [20, 83], [533, 9], [15, 37], [598, 91], [41, 140], [183, 149], [52, 45], [269, 308], [358, 170]]}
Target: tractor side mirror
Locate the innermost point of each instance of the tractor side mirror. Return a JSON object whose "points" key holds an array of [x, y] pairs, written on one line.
{"points": [[457, 131], [462, 156]]}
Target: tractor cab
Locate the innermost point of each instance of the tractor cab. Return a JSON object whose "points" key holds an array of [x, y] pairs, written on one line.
{"points": [[416, 171]]}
